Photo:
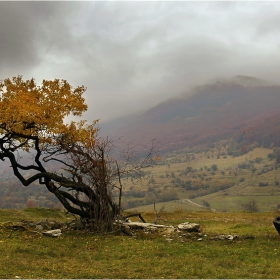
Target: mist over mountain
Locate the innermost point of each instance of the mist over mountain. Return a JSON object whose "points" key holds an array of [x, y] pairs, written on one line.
{"points": [[243, 108]]}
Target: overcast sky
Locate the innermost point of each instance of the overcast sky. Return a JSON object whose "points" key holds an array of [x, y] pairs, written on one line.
{"points": [[133, 55]]}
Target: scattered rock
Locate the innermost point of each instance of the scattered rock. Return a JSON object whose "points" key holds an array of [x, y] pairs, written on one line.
{"points": [[232, 237], [189, 227], [18, 226], [168, 231], [126, 230], [135, 225], [151, 230], [44, 223], [76, 225], [39, 228], [225, 237], [53, 233]]}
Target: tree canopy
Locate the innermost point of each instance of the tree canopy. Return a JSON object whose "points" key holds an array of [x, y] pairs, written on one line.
{"points": [[30, 111], [32, 119]]}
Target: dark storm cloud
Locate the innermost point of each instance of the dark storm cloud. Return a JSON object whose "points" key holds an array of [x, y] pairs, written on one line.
{"points": [[133, 55], [17, 50], [23, 32]]}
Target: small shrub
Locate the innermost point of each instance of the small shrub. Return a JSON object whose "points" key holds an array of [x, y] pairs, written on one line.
{"points": [[258, 159], [263, 184], [244, 165], [251, 206], [214, 167], [206, 203]]}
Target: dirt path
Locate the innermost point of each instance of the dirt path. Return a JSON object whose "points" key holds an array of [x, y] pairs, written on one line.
{"points": [[197, 205]]}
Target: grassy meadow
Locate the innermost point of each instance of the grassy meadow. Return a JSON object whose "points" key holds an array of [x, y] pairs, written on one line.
{"points": [[80, 254], [211, 179]]}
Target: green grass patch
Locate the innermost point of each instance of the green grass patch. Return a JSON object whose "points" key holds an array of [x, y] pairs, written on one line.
{"points": [[83, 255]]}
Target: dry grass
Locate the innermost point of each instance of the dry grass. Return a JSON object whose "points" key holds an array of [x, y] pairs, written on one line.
{"points": [[245, 183], [77, 254]]}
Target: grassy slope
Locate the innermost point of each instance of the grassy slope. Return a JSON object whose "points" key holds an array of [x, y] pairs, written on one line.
{"points": [[231, 199], [81, 255]]}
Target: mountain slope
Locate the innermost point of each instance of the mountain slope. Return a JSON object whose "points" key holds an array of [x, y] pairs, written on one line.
{"points": [[213, 112]]}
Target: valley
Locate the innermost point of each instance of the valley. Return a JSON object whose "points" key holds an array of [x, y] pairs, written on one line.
{"points": [[212, 179]]}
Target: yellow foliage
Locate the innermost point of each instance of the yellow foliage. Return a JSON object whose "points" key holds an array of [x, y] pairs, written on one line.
{"points": [[38, 111]]}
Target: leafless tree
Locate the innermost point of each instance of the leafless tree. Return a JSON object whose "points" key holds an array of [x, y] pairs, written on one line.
{"points": [[89, 178]]}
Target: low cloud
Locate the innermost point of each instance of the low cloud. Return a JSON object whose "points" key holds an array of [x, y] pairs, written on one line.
{"points": [[133, 55]]}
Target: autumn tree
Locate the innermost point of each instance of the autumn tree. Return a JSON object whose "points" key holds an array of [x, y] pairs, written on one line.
{"points": [[32, 121]]}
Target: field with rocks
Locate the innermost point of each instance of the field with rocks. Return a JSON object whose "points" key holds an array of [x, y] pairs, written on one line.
{"points": [[219, 245]]}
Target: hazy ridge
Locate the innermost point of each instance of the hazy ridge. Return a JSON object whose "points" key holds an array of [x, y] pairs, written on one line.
{"points": [[243, 108]]}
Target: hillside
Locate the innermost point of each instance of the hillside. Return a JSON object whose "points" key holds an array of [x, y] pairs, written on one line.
{"points": [[247, 112], [14, 195], [216, 178]]}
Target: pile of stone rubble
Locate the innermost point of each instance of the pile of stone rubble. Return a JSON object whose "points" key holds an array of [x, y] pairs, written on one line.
{"points": [[180, 232], [45, 227]]}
